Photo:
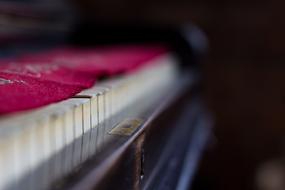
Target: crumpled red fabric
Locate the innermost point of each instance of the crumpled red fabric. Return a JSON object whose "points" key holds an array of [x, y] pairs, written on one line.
{"points": [[38, 79], [103, 61], [18, 92], [49, 72]]}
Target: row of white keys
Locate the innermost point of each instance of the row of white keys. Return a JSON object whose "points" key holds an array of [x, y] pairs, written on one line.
{"points": [[98, 105], [30, 143]]}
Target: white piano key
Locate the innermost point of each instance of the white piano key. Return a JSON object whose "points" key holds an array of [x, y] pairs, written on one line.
{"points": [[23, 164], [78, 132], [86, 115], [94, 124], [36, 155], [57, 141], [69, 138], [44, 134], [7, 162], [86, 129], [108, 109], [101, 115]]}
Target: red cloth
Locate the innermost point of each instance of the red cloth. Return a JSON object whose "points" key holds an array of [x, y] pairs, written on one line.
{"points": [[100, 61], [19, 92], [49, 72], [39, 79]]}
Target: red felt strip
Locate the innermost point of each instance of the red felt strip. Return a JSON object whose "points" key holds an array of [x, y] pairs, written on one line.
{"points": [[49, 72], [100, 61], [19, 92], [39, 79]]}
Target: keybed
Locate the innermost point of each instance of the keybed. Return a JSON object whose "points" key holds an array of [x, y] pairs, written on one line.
{"points": [[39, 147]]}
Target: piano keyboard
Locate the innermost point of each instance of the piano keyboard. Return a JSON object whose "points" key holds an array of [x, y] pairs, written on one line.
{"points": [[41, 146]]}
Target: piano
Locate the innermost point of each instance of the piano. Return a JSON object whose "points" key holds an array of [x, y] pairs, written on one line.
{"points": [[97, 115]]}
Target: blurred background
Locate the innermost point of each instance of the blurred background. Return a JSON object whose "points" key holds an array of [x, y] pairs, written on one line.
{"points": [[243, 72]]}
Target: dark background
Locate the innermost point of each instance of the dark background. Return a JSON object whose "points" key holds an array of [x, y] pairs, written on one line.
{"points": [[244, 80]]}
